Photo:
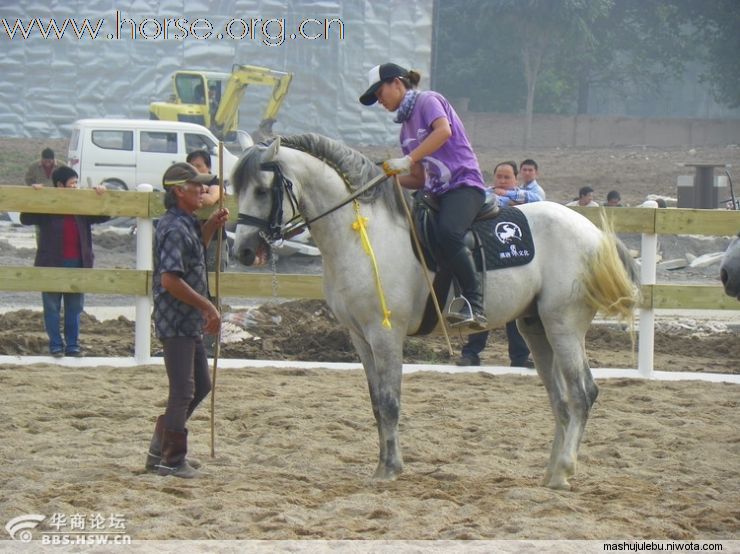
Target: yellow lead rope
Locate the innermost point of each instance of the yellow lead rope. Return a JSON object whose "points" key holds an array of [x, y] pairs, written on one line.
{"points": [[359, 225]]}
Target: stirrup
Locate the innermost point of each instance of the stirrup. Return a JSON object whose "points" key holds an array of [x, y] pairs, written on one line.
{"points": [[460, 312]]}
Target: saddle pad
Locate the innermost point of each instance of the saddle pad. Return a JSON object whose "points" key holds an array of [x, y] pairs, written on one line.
{"points": [[506, 239]]}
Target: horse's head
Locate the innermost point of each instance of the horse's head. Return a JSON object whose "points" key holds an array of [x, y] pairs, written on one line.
{"points": [[729, 271], [265, 197]]}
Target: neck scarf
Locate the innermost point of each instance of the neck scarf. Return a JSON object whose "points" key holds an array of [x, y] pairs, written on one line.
{"points": [[407, 106]]}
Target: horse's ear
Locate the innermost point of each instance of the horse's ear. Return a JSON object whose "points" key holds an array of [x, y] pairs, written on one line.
{"points": [[270, 154]]}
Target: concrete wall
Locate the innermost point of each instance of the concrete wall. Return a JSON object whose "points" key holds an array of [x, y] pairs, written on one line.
{"points": [[494, 129]]}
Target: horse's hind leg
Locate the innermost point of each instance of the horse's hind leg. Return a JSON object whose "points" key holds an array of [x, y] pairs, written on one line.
{"points": [[385, 396], [539, 345], [572, 394]]}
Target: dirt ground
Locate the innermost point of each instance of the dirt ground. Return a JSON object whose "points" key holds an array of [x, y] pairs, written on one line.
{"points": [[305, 330], [295, 450]]}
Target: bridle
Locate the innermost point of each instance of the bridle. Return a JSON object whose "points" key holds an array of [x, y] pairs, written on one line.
{"points": [[272, 228]]}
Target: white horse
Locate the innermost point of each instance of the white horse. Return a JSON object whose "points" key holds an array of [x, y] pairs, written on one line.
{"points": [[729, 271], [577, 270]]}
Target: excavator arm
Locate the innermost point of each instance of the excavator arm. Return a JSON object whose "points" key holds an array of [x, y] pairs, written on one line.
{"points": [[225, 118]]}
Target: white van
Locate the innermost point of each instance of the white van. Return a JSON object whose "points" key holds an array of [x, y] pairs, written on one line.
{"points": [[123, 153]]}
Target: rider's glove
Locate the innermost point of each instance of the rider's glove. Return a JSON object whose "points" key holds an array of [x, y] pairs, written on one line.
{"points": [[397, 166]]}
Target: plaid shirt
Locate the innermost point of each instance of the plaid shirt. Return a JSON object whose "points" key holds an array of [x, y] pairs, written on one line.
{"points": [[178, 248]]}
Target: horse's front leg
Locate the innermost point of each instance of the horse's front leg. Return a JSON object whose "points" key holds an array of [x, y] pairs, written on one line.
{"points": [[390, 464], [368, 364], [382, 360]]}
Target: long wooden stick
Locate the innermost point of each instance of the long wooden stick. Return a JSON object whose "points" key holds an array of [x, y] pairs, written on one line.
{"points": [[420, 253], [217, 346]]}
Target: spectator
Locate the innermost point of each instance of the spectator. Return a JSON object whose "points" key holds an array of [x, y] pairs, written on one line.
{"points": [[528, 172], [504, 183], [585, 198], [63, 241], [505, 175], [182, 313], [201, 161], [530, 191], [39, 172], [613, 199]]}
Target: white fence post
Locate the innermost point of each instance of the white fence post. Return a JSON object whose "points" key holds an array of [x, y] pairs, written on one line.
{"points": [[646, 344], [144, 261]]}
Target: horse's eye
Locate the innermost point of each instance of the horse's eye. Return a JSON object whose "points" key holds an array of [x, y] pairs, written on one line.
{"points": [[261, 192]]}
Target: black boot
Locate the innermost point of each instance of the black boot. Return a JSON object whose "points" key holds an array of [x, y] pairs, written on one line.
{"points": [[174, 449], [468, 311], [154, 456]]}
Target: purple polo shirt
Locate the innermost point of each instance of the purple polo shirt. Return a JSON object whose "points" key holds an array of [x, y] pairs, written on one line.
{"points": [[452, 166]]}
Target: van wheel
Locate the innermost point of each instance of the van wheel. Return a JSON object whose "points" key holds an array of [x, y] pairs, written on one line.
{"points": [[114, 184]]}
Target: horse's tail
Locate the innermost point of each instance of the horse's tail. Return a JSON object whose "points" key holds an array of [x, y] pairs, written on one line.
{"points": [[611, 277]]}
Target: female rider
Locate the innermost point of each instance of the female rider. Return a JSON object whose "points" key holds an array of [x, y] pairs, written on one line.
{"points": [[438, 157]]}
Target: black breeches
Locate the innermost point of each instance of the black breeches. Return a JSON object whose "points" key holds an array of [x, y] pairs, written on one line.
{"points": [[457, 210]]}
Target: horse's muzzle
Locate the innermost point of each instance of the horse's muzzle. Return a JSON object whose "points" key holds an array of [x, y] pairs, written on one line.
{"points": [[253, 252]]}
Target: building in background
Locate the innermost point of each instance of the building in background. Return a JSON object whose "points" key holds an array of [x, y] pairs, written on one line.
{"points": [[329, 45]]}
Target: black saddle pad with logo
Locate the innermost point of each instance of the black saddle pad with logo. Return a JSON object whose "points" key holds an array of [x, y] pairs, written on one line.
{"points": [[506, 240]]}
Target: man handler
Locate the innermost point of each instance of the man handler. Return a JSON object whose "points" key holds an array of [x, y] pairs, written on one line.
{"points": [[182, 313]]}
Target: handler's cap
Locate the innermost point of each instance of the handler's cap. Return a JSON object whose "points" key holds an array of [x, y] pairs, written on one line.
{"points": [[378, 75], [181, 173]]}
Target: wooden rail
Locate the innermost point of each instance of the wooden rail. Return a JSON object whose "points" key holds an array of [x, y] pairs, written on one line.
{"points": [[259, 285]]}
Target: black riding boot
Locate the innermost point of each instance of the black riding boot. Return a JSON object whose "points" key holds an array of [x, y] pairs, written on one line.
{"points": [[471, 313]]}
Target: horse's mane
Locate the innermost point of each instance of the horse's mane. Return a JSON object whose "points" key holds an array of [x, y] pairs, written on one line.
{"points": [[354, 168]]}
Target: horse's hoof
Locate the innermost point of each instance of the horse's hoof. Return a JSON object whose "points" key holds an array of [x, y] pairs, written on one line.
{"points": [[383, 473], [558, 484]]}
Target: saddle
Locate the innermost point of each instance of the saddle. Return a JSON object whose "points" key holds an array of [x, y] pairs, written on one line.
{"points": [[490, 208], [499, 238]]}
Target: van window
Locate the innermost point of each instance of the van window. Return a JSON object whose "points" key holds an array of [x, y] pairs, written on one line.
{"points": [[114, 140], [158, 142], [198, 142]]}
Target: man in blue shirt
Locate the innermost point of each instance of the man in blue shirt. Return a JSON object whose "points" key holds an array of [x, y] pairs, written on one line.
{"points": [[530, 191]]}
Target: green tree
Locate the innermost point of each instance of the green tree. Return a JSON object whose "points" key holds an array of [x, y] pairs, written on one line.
{"points": [[717, 28], [545, 27], [637, 43], [482, 36]]}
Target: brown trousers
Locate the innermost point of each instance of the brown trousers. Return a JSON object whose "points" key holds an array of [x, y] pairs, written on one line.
{"points": [[190, 382]]}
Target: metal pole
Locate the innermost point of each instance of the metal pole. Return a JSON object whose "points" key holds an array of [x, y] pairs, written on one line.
{"points": [[144, 262]]}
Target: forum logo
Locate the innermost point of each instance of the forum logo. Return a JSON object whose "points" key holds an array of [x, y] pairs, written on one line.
{"points": [[19, 528]]}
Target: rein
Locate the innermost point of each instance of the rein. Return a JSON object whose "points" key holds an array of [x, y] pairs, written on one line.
{"points": [[273, 229]]}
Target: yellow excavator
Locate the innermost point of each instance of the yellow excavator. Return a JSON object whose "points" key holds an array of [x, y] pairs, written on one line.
{"points": [[212, 99]]}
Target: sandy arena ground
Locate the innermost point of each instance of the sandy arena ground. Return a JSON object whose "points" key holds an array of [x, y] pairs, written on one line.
{"points": [[295, 449]]}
